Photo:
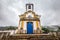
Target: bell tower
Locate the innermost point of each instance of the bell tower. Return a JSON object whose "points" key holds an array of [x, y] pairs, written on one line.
{"points": [[29, 7]]}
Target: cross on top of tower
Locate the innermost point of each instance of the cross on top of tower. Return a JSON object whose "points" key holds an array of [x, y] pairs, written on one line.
{"points": [[29, 7]]}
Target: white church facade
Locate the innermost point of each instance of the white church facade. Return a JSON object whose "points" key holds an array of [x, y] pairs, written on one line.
{"points": [[29, 22]]}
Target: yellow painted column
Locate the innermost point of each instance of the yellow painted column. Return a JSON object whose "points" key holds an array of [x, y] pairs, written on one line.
{"points": [[22, 25], [36, 24]]}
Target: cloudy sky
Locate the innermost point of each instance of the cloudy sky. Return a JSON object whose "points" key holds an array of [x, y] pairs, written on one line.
{"points": [[48, 9]]}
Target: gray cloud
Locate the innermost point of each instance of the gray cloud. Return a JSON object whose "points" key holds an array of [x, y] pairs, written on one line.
{"points": [[48, 9]]}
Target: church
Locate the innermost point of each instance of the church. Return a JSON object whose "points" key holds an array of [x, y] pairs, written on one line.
{"points": [[29, 28], [29, 22]]}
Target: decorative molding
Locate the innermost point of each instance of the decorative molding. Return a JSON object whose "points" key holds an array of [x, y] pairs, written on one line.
{"points": [[27, 19]]}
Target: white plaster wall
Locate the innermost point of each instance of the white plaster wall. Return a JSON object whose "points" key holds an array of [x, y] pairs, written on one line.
{"points": [[25, 24], [34, 24]]}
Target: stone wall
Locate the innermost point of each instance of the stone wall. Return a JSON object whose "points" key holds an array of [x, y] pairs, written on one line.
{"points": [[30, 37]]}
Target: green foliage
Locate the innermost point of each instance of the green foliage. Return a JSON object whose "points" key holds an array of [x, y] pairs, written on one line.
{"points": [[58, 29], [8, 28], [45, 30], [11, 28]]}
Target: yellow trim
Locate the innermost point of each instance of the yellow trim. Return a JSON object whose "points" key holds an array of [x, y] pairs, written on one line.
{"points": [[37, 24], [22, 25]]}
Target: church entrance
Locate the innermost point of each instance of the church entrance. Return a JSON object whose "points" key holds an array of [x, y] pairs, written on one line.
{"points": [[29, 27]]}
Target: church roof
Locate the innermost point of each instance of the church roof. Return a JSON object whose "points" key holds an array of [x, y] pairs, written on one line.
{"points": [[28, 12]]}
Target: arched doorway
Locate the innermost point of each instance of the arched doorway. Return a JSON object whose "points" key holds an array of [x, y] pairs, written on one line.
{"points": [[29, 27]]}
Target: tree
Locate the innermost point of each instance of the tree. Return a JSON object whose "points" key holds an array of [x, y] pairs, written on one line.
{"points": [[45, 30]]}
